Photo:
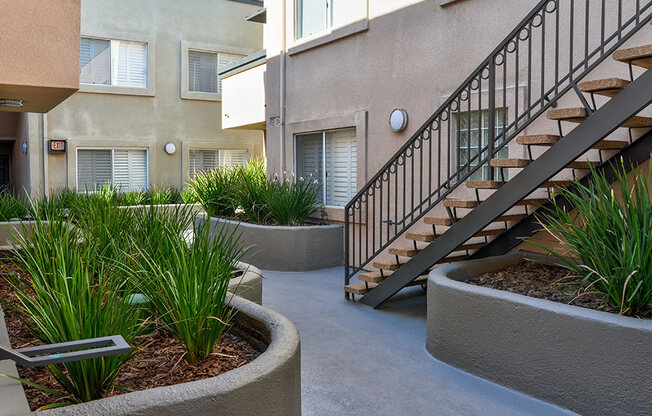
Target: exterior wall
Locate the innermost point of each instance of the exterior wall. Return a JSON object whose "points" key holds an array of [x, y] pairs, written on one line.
{"points": [[40, 52], [101, 116]]}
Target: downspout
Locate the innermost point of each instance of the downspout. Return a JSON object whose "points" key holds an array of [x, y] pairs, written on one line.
{"points": [[44, 129], [282, 91]]}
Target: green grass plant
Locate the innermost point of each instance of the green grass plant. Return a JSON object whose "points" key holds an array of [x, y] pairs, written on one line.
{"points": [[11, 207], [291, 202], [611, 233], [216, 191]]}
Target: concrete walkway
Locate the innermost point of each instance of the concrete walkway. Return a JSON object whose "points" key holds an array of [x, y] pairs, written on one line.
{"points": [[360, 361]]}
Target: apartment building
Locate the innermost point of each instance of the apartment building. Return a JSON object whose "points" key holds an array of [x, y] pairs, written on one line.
{"points": [[148, 108]]}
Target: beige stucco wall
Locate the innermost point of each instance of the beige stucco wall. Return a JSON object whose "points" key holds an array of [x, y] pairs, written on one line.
{"points": [[149, 118], [39, 52], [395, 54]]}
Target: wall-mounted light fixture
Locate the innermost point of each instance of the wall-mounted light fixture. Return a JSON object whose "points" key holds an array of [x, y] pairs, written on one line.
{"points": [[10, 102], [398, 120], [25, 148], [170, 149]]}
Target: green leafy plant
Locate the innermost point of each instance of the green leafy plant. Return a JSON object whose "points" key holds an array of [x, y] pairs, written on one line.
{"points": [[252, 190], [11, 208], [73, 295], [611, 233], [216, 191], [131, 198], [187, 286], [291, 202]]}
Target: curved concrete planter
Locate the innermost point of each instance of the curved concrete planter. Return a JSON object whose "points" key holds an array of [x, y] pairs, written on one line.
{"points": [[270, 385], [195, 208], [10, 228], [588, 361], [249, 285], [308, 247]]}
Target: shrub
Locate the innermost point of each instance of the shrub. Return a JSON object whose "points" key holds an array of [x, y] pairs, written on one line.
{"points": [[216, 191], [611, 236], [252, 191], [11, 208], [131, 198], [187, 286], [73, 295], [291, 202]]}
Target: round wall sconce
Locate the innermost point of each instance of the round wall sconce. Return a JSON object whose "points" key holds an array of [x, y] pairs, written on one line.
{"points": [[398, 120], [170, 148]]}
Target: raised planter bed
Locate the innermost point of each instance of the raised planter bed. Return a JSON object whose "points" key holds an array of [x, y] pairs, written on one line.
{"points": [[588, 361], [290, 248], [196, 208], [269, 385], [249, 285], [10, 228]]}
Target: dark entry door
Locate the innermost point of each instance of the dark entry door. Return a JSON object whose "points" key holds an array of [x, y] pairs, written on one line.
{"points": [[4, 172]]}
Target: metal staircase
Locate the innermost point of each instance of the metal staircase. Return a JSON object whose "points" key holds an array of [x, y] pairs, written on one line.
{"points": [[463, 159]]}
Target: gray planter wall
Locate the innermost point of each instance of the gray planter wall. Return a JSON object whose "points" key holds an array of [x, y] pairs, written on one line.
{"points": [[249, 285], [308, 247], [588, 361], [10, 228], [270, 385]]}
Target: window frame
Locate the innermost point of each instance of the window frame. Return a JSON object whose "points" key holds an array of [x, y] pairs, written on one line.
{"points": [[150, 78], [324, 179], [112, 149], [186, 47], [298, 14]]}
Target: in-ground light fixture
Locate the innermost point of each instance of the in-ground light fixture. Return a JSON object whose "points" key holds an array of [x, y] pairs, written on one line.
{"points": [[398, 120]]}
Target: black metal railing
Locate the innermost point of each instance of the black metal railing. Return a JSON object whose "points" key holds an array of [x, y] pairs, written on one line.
{"points": [[554, 47]]}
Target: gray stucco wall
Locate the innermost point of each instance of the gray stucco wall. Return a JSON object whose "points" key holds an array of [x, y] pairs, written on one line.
{"points": [[591, 362], [308, 247], [250, 285], [270, 385]]}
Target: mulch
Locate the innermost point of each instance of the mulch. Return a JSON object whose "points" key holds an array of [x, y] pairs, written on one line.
{"points": [[160, 360], [544, 282]]}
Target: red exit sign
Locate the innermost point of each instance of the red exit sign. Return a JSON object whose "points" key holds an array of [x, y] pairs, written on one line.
{"points": [[57, 146]]}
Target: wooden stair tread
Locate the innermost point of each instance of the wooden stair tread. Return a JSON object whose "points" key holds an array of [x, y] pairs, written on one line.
{"points": [[638, 121], [460, 203], [389, 264], [484, 184], [574, 114], [532, 201], [408, 251], [374, 277], [509, 163], [556, 184], [443, 221], [582, 164], [611, 144], [359, 288], [639, 56], [608, 86], [538, 139], [488, 233], [425, 237]]}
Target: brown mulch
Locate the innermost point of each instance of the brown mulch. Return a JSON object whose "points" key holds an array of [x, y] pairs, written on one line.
{"points": [[544, 282], [160, 360]]}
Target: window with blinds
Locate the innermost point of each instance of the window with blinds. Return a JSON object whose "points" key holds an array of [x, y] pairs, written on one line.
{"points": [[127, 169], [473, 137], [204, 160], [202, 70], [330, 158], [113, 62]]}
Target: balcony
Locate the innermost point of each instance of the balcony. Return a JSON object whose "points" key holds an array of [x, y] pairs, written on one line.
{"points": [[243, 93]]}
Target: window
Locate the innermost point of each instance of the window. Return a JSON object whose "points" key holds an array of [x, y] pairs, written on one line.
{"points": [[113, 62], [204, 160], [202, 70], [125, 168], [475, 125], [330, 158], [313, 16]]}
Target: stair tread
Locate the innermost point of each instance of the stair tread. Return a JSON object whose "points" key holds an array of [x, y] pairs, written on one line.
{"points": [[582, 164], [532, 201], [538, 139], [509, 163], [611, 144], [567, 114], [484, 184], [389, 264], [638, 55], [445, 221], [374, 277], [460, 203], [606, 86], [359, 288], [425, 237], [408, 251]]}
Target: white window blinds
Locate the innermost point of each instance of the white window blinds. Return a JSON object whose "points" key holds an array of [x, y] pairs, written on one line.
{"points": [[330, 158], [130, 170], [95, 61], [113, 62], [201, 161], [341, 167], [126, 169], [202, 71], [231, 158], [129, 64]]}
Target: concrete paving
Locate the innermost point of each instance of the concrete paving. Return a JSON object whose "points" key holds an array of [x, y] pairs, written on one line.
{"points": [[360, 361]]}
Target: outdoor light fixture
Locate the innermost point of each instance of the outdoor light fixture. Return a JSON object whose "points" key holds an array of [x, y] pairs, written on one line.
{"points": [[398, 120], [8, 102], [170, 148], [25, 148]]}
